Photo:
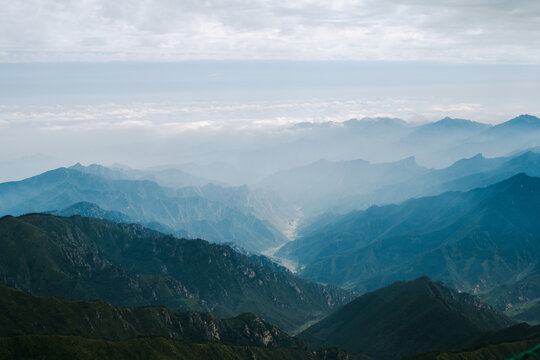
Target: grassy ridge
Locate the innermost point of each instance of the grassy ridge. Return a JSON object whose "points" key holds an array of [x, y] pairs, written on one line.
{"points": [[78, 348]]}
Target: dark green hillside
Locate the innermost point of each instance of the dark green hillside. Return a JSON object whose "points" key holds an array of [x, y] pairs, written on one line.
{"points": [[472, 241], [502, 351], [406, 318], [53, 328], [22, 314], [77, 348], [519, 298], [128, 265]]}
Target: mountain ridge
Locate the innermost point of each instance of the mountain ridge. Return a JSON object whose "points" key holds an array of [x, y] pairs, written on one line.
{"points": [[443, 236], [129, 265], [407, 318]]}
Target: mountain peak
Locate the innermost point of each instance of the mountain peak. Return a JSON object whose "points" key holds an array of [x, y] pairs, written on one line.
{"points": [[430, 316], [457, 123], [77, 166], [521, 121], [375, 121], [526, 118], [411, 160]]}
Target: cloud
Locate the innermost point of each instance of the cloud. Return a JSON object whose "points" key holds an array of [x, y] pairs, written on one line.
{"points": [[474, 31], [469, 108]]}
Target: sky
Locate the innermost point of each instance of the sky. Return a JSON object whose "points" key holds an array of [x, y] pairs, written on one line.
{"points": [[87, 80], [456, 31]]}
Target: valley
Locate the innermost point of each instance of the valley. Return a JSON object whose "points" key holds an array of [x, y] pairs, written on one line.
{"points": [[320, 244]]}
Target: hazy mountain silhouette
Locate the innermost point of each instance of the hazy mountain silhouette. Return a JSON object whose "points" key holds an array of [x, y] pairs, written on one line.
{"points": [[471, 240]]}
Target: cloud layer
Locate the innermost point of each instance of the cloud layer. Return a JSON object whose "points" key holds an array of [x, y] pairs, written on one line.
{"points": [[459, 31]]}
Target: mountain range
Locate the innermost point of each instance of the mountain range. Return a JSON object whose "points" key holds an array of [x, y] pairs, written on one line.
{"points": [[51, 327], [319, 187], [128, 265], [340, 187], [211, 212], [110, 262], [412, 317], [473, 241]]}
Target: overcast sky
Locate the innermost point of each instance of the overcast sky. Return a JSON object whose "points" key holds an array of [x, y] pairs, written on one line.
{"points": [[456, 31]]}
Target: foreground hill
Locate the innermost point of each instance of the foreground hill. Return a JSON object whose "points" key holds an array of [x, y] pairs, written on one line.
{"points": [[214, 213], [128, 265], [472, 240], [23, 313], [72, 347], [49, 327], [412, 317]]}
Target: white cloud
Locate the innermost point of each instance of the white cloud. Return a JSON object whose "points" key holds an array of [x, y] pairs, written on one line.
{"points": [[99, 30], [469, 108]]}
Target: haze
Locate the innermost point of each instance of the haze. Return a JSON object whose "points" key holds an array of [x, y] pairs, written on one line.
{"points": [[157, 83]]}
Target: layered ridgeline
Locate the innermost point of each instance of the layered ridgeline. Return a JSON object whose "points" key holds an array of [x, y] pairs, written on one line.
{"points": [[211, 212], [412, 317], [473, 241], [436, 144], [128, 265], [325, 185], [463, 175], [262, 204], [33, 326], [342, 186]]}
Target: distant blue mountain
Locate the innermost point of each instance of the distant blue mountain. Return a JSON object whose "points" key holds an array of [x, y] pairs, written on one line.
{"points": [[463, 175], [314, 187], [87, 209], [145, 202], [472, 240], [450, 124], [520, 123]]}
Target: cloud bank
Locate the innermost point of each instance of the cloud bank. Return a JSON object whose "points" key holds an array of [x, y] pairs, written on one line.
{"points": [[458, 31]]}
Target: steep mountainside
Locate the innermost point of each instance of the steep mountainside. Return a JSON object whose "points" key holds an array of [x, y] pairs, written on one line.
{"points": [[407, 318], [143, 202], [128, 265], [472, 241], [22, 314], [520, 298], [50, 327]]}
